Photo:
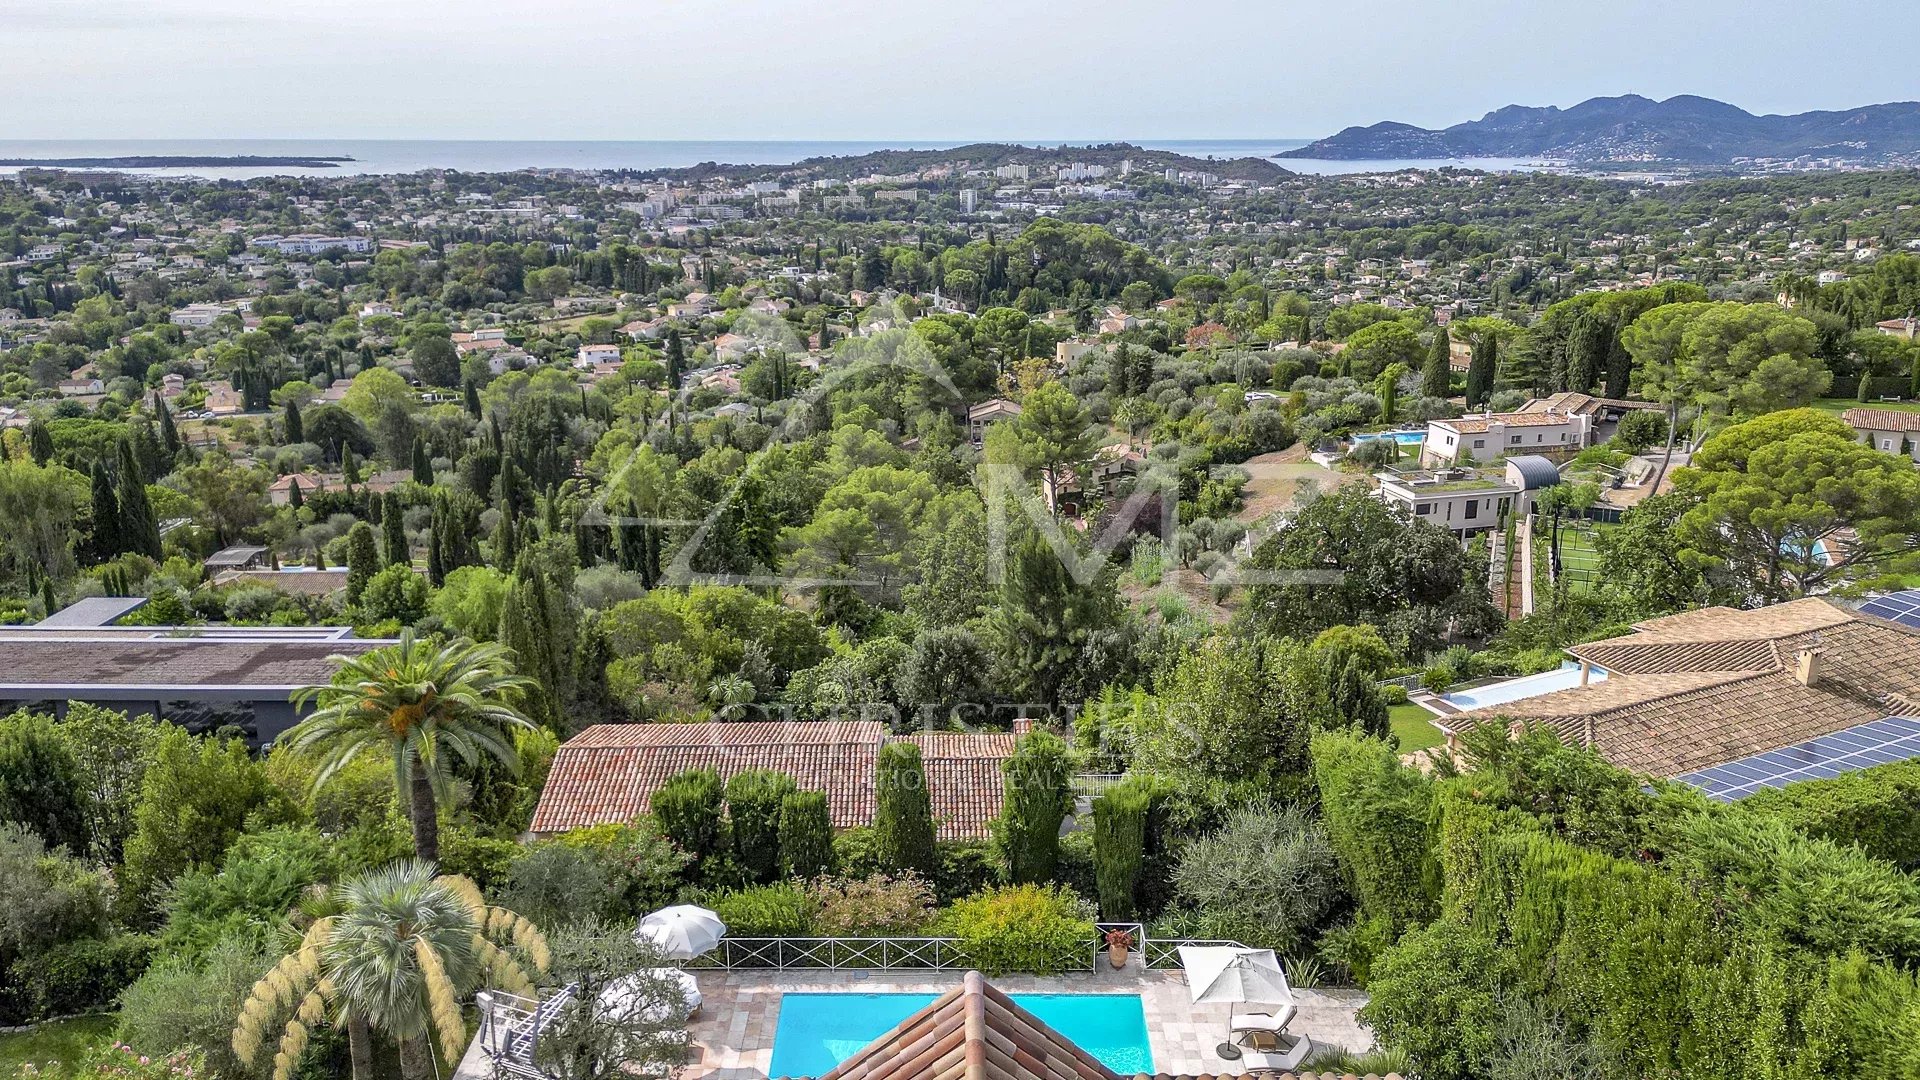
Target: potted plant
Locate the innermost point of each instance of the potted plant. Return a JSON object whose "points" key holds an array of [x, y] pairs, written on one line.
{"points": [[1118, 942]]}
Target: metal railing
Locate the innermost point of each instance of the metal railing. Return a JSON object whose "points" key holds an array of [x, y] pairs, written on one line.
{"points": [[834, 953], [510, 1028], [1165, 952]]}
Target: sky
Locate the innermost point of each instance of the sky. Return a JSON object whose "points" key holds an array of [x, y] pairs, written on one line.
{"points": [[917, 70]]}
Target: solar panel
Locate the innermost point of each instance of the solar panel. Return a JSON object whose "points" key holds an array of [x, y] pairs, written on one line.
{"points": [[1902, 607], [1877, 742]]}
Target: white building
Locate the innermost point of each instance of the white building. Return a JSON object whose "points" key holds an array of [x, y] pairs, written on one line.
{"points": [[591, 355], [1467, 501], [1490, 435], [197, 315]]}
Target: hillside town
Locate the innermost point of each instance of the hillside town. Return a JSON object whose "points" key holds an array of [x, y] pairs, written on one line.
{"points": [[580, 624]]}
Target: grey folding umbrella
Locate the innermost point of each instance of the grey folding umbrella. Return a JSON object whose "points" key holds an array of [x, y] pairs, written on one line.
{"points": [[682, 932]]}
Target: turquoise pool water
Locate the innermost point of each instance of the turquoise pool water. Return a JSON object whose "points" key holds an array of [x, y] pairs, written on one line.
{"points": [[818, 1031], [1404, 438], [1565, 677]]}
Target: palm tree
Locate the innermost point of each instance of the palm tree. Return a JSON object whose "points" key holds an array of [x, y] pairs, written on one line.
{"points": [[413, 700], [395, 957]]}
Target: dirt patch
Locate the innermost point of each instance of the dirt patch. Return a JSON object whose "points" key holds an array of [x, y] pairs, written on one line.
{"points": [[1277, 480]]}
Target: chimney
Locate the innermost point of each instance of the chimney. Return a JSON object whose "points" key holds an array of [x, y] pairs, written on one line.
{"points": [[1806, 667], [1022, 725]]}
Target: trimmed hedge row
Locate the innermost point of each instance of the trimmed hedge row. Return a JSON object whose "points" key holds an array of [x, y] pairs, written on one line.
{"points": [[1876, 809]]}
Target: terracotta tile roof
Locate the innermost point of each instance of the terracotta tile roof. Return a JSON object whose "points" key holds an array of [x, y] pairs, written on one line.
{"points": [[1711, 686], [1469, 425], [609, 772], [1881, 420]]}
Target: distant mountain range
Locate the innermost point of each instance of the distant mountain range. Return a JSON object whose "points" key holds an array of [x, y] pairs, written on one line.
{"points": [[1685, 129]]}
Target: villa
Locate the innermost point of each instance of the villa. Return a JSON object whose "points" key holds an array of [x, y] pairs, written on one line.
{"points": [[1489, 435], [1468, 501], [1890, 430], [609, 772], [1734, 700]]}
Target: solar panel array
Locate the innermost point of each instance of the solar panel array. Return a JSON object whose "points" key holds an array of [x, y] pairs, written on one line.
{"points": [[1877, 742], [1902, 607]]}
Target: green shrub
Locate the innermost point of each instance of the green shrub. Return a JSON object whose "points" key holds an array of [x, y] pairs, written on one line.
{"points": [[1038, 798], [1876, 810], [903, 811], [782, 909], [688, 809], [806, 834], [555, 883], [1266, 877], [648, 867], [178, 1005], [968, 866], [856, 852], [486, 859], [81, 976], [754, 800], [1436, 997], [1029, 929], [1376, 818], [874, 906]]}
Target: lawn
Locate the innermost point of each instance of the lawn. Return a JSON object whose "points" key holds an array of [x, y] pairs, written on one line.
{"points": [[1579, 556], [1839, 405], [1411, 723], [62, 1041]]}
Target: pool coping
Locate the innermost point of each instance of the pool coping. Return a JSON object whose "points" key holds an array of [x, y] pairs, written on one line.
{"points": [[732, 1038]]}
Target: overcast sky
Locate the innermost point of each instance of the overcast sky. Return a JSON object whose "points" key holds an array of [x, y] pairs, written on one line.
{"points": [[922, 69]]}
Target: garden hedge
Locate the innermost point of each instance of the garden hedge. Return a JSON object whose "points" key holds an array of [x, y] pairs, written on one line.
{"points": [[1876, 809]]}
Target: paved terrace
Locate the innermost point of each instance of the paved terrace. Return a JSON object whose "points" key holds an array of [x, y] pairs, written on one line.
{"points": [[733, 1035]]}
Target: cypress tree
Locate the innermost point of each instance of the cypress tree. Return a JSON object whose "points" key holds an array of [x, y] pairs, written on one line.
{"points": [[169, 435], [903, 810], [687, 806], [471, 392], [422, 464], [106, 515], [1435, 379], [1480, 370], [349, 468], [393, 530], [296, 428], [806, 835], [676, 359], [39, 441], [436, 566], [363, 560], [754, 799], [294, 498], [139, 532], [1038, 798], [592, 697], [1120, 848]]}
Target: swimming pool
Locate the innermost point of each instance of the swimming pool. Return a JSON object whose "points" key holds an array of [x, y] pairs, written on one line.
{"points": [[1404, 438], [818, 1031], [1566, 677]]}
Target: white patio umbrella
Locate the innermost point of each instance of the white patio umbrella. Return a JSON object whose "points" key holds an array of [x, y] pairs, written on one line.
{"points": [[682, 932], [631, 996], [1226, 975]]}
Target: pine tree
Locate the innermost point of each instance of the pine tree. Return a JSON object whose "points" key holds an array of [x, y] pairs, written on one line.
{"points": [[903, 810], [139, 532], [393, 531], [1480, 370], [1435, 378], [296, 429], [106, 515], [363, 560]]}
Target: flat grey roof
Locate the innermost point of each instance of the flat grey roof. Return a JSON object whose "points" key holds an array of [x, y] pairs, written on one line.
{"points": [[93, 611], [61, 667]]}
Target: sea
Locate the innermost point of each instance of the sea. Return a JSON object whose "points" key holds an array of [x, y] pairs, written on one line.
{"points": [[383, 156]]}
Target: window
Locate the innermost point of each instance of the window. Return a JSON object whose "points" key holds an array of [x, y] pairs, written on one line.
{"points": [[1513, 439], [1479, 443], [1473, 509], [1423, 508]]}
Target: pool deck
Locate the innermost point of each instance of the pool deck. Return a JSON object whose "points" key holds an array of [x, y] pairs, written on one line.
{"points": [[733, 1035]]}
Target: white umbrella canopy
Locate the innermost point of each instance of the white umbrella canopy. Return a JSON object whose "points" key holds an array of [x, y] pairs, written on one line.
{"points": [[682, 932], [1224, 975], [643, 997]]}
